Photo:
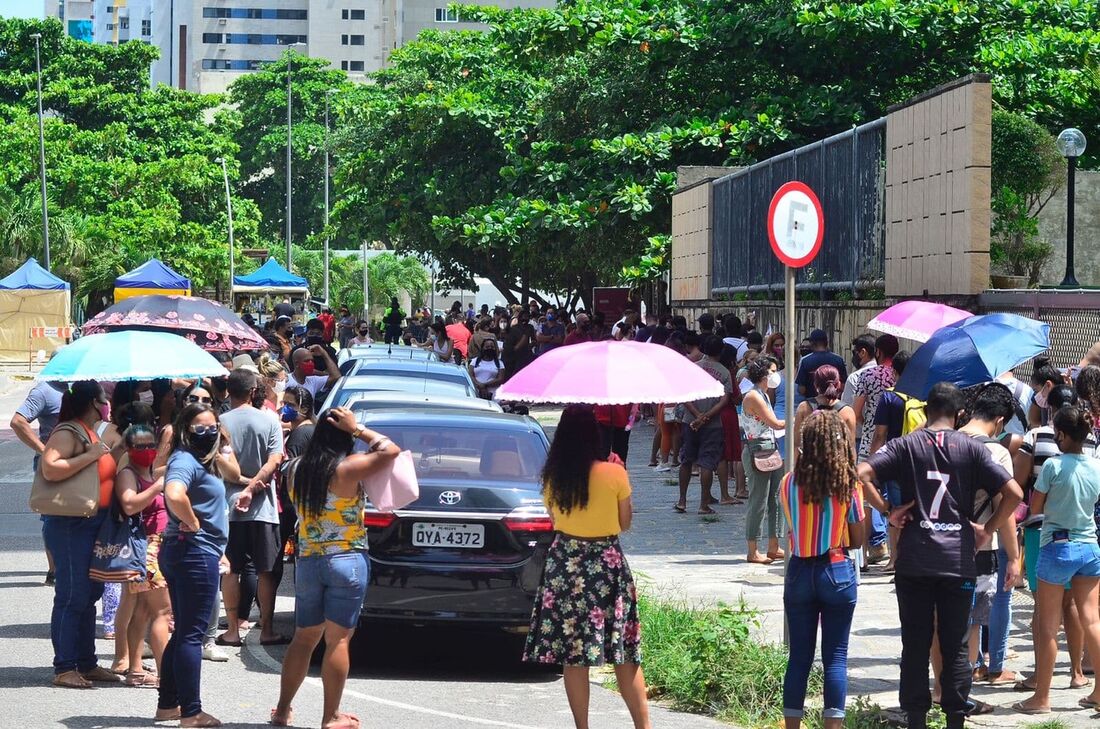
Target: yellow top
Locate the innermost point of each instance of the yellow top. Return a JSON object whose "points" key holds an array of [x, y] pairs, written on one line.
{"points": [[337, 529], [608, 484]]}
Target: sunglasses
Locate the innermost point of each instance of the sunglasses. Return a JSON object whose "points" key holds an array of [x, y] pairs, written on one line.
{"points": [[204, 400], [204, 429], [144, 447]]}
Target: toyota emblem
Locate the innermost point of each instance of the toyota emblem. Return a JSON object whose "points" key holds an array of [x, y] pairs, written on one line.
{"points": [[450, 498]]}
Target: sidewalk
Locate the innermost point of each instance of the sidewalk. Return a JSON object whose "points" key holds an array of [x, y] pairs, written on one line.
{"points": [[701, 559]]}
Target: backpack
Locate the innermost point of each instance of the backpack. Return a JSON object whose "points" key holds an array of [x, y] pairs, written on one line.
{"points": [[912, 417]]}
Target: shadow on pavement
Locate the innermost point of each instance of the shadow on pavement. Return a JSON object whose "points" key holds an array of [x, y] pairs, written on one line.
{"points": [[26, 630], [443, 654], [95, 722]]}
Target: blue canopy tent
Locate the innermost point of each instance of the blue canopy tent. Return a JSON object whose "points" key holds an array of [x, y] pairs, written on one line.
{"points": [[34, 313], [256, 292], [151, 277]]}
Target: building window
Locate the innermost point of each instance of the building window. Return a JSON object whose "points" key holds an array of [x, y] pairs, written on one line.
{"points": [[253, 39], [110, 26], [124, 23], [352, 66], [354, 14], [110, 9], [446, 15], [255, 13], [146, 27], [353, 40], [224, 64]]}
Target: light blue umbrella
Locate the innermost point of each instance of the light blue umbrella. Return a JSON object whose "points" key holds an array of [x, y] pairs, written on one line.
{"points": [[130, 355], [973, 351]]}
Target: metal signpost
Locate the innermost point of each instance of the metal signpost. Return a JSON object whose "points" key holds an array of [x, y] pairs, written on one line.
{"points": [[796, 227]]}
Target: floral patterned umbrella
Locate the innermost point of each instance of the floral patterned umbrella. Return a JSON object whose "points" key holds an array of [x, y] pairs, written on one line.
{"points": [[206, 323]]}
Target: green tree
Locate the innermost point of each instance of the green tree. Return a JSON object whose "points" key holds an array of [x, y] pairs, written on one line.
{"points": [[260, 133]]}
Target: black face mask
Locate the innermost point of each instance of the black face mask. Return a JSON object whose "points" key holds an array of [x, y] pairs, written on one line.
{"points": [[363, 332], [202, 444]]}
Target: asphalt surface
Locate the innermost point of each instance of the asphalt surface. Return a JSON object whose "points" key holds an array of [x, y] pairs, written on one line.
{"points": [[401, 679]]}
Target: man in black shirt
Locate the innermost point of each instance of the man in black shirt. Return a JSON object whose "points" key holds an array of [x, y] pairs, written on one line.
{"points": [[939, 471], [820, 355]]}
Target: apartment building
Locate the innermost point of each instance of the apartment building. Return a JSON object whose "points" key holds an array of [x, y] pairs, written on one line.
{"points": [[207, 44]]}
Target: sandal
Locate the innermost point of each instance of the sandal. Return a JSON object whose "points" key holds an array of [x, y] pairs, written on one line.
{"points": [[276, 721], [171, 715], [758, 560], [1019, 706], [99, 674], [71, 679], [978, 708], [730, 502], [141, 679], [1023, 685], [202, 719], [777, 555], [706, 510], [343, 721], [680, 509]]}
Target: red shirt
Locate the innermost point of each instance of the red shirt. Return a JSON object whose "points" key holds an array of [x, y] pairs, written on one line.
{"points": [[615, 416], [461, 336], [330, 326], [576, 337]]}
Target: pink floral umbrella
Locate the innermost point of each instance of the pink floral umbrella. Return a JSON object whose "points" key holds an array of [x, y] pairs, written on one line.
{"points": [[206, 323], [916, 320], [610, 373]]}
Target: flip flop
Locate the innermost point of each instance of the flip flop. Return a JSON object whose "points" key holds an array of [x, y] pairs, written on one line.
{"points": [[343, 721], [705, 511], [1087, 703], [277, 640], [1019, 706], [1022, 686], [141, 679], [281, 722], [776, 555], [680, 509], [759, 560], [99, 674], [730, 502], [220, 640], [71, 679], [1073, 684], [979, 708]]}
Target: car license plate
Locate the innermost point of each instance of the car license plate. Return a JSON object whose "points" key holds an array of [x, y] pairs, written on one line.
{"points": [[462, 536]]}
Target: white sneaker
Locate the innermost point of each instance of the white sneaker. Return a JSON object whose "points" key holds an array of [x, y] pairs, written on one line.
{"points": [[211, 652], [664, 467]]}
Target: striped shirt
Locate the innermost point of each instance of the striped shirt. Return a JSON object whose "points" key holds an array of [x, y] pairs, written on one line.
{"points": [[817, 528], [1040, 445]]}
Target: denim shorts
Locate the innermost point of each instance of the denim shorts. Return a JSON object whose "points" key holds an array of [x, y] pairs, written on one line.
{"points": [[1060, 562], [330, 587]]}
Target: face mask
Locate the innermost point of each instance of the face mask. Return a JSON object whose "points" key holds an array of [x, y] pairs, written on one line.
{"points": [[856, 361], [104, 410], [363, 332], [203, 444], [774, 380], [142, 458], [1041, 399], [289, 413], [308, 368], [146, 397], [280, 385]]}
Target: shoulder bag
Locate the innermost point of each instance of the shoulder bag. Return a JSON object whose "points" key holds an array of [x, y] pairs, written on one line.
{"points": [[766, 456], [395, 487], [78, 495], [118, 554]]}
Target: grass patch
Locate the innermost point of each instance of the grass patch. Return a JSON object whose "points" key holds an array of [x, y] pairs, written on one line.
{"points": [[1048, 724], [707, 661], [711, 518]]}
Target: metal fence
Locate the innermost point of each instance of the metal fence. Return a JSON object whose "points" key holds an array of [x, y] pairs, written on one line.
{"points": [[848, 173], [1074, 319]]}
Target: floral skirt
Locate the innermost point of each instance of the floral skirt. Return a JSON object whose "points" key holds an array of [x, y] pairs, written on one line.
{"points": [[586, 610]]}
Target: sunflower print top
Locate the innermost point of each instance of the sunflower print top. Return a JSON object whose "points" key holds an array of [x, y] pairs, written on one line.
{"points": [[338, 528]]}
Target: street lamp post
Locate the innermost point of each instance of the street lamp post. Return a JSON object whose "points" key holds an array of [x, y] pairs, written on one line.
{"points": [[328, 95], [229, 213], [1071, 144], [289, 139], [42, 151]]}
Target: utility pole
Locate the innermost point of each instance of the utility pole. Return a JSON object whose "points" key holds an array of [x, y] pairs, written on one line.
{"points": [[289, 139], [328, 95], [42, 151], [229, 213]]}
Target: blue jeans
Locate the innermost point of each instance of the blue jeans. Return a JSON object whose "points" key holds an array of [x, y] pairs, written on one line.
{"points": [[192, 575], [877, 536], [330, 587], [72, 623], [1000, 619], [817, 590]]}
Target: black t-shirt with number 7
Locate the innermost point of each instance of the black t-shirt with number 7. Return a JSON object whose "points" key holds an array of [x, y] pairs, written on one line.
{"points": [[940, 470]]}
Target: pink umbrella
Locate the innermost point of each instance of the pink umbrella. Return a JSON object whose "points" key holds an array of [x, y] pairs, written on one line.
{"points": [[610, 373], [916, 320]]}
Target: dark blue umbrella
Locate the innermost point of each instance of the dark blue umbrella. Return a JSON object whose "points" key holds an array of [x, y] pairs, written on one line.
{"points": [[973, 351]]}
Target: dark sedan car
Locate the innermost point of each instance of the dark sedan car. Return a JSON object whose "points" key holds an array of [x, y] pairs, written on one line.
{"points": [[471, 548]]}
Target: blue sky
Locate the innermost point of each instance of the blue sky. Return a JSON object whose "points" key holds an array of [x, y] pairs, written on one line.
{"points": [[22, 8]]}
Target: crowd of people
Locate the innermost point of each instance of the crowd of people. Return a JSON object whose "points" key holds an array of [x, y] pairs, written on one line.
{"points": [[961, 497]]}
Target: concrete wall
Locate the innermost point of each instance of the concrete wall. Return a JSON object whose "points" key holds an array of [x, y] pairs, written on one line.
{"points": [[1086, 237], [937, 191]]}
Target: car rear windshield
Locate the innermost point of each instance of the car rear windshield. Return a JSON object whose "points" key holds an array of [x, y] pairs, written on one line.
{"points": [[472, 454], [369, 371]]}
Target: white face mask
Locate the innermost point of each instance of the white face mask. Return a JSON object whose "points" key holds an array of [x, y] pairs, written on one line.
{"points": [[146, 397], [774, 380], [280, 387]]}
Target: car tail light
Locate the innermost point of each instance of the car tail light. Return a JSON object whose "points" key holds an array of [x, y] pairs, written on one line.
{"points": [[529, 519], [378, 519]]}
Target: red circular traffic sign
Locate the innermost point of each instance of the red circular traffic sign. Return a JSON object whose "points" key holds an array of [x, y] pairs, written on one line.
{"points": [[796, 224]]}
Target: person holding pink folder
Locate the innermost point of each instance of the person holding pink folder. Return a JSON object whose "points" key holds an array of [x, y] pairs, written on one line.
{"points": [[332, 570]]}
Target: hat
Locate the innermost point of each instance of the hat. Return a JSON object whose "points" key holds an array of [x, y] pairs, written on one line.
{"points": [[244, 362], [818, 336], [279, 320], [299, 331]]}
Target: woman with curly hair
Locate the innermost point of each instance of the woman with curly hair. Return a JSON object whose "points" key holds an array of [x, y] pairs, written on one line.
{"points": [[586, 610], [823, 502]]}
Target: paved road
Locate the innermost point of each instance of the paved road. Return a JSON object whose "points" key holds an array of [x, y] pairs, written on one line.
{"points": [[407, 679]]}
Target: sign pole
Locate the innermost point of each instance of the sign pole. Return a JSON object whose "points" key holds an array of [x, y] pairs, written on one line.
{"points": [[788, 365]]}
